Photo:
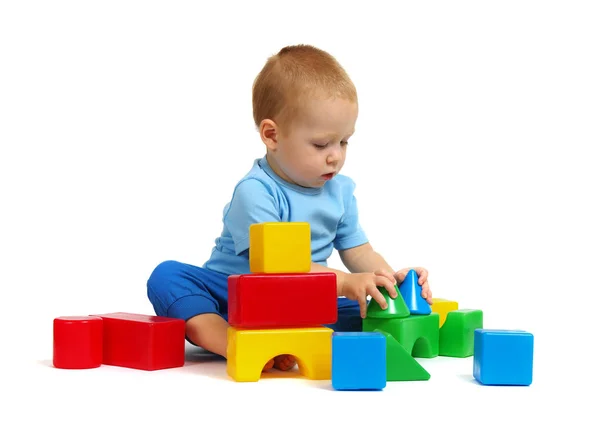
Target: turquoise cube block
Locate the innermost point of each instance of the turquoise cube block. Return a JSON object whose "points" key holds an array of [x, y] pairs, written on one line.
{"points": [[358, 361], [503, 357]]}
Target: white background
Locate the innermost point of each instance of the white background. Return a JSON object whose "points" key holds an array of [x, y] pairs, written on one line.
{"points": [[124, 126]]}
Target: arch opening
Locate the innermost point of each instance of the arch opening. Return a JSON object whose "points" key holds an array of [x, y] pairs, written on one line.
{"points": [[421, 348], [288, 365]]}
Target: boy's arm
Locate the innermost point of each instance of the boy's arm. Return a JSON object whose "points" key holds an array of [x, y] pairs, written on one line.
{"points": [[341, 276], [363, 259]]}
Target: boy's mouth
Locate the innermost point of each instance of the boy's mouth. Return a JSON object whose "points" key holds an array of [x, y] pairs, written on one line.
{"points": [[328, 176]]}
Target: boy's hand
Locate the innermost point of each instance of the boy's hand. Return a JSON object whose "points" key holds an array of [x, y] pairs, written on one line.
{"points": [[357, 286], [423, 274]]}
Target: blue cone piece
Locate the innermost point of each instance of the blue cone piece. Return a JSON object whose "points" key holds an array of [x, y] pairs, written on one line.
{"points": [[411, 292]]}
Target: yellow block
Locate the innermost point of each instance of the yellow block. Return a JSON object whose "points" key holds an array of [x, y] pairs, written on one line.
{"points": [[248, 350], [280, 247], [443, 307]]}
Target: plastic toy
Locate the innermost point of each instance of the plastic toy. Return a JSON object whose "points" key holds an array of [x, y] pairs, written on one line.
{"points": [[280, 247], [407, 336], [503, 357], [400, 365], [358, 361], [77, 342], [457, 334], [411, 292], [270, 316], [249, 350], [142, 342], [396, 307], [275, 300], [418, 334], [443, 307]]}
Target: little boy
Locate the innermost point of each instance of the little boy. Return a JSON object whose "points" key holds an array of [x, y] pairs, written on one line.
{"points": [[305, 107]]}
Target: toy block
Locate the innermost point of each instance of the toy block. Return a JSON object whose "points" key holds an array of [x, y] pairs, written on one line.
{"points": [[443, 307], [503, 357], [280, 247], [396, 307], [358, 361], [77, 342], [142, 342], [457, 334], [400, 365], [418, 334], [275, 300], [411, 292], [248, 350]]}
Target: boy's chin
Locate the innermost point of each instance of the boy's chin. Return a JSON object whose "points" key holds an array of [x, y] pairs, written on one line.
{"points": [[312, 184], [319, 184]]}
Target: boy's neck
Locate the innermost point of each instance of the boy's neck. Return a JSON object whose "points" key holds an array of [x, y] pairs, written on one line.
{"points": [[275, 167]]}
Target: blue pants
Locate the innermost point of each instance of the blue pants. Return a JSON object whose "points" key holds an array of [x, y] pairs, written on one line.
{"points": [[183, 291]]}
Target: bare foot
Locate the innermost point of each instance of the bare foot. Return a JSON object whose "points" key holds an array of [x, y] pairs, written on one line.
{"points": [[269, 365], [284, 362]]}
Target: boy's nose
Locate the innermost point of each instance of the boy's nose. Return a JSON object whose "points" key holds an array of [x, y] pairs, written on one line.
{"points": [[334, 157]]}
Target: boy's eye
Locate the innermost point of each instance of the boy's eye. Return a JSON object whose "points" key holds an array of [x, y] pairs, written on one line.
{"points": [[343, 143]]}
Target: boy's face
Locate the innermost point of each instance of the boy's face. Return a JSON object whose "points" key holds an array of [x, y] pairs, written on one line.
{"points": [[313, 150]]}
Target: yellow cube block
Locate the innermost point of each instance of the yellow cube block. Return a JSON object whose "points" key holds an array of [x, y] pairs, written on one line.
{"points": [[280, 247], [248, 350], [443, 307]]}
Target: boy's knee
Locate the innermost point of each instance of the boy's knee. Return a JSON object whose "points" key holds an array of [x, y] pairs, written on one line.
{"points": [[158, 281], [165, 269], [162, 273]]}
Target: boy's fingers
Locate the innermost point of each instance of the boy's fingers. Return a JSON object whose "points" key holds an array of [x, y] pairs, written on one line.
{"points": [[387, 284], [426, 293], [387, 274], [362, 303], [377, 296], [399, 276], [423, 275]]}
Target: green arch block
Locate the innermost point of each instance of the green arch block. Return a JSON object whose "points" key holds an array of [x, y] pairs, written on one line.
{"points": [[418, 334]]}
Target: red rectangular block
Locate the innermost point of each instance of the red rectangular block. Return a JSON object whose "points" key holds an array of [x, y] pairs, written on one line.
{"points": [[142, 342], [272, 300]]}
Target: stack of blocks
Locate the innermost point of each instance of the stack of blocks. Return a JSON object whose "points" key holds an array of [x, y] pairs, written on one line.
{"points": [[279, 307]]}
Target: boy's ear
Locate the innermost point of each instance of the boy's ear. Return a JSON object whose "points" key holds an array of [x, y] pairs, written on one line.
{"points": [[268, 133]]}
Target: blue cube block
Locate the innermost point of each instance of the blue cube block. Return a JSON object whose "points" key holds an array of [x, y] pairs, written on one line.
{"points": [[358, 361], [503, 357]]}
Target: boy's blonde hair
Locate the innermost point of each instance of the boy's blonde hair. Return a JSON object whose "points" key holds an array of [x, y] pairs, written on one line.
{"points": [[293, 75]]}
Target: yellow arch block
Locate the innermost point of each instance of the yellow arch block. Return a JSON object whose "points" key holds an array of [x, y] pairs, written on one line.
{"points": [[443, 307], [248, 350], [280, 247]]}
